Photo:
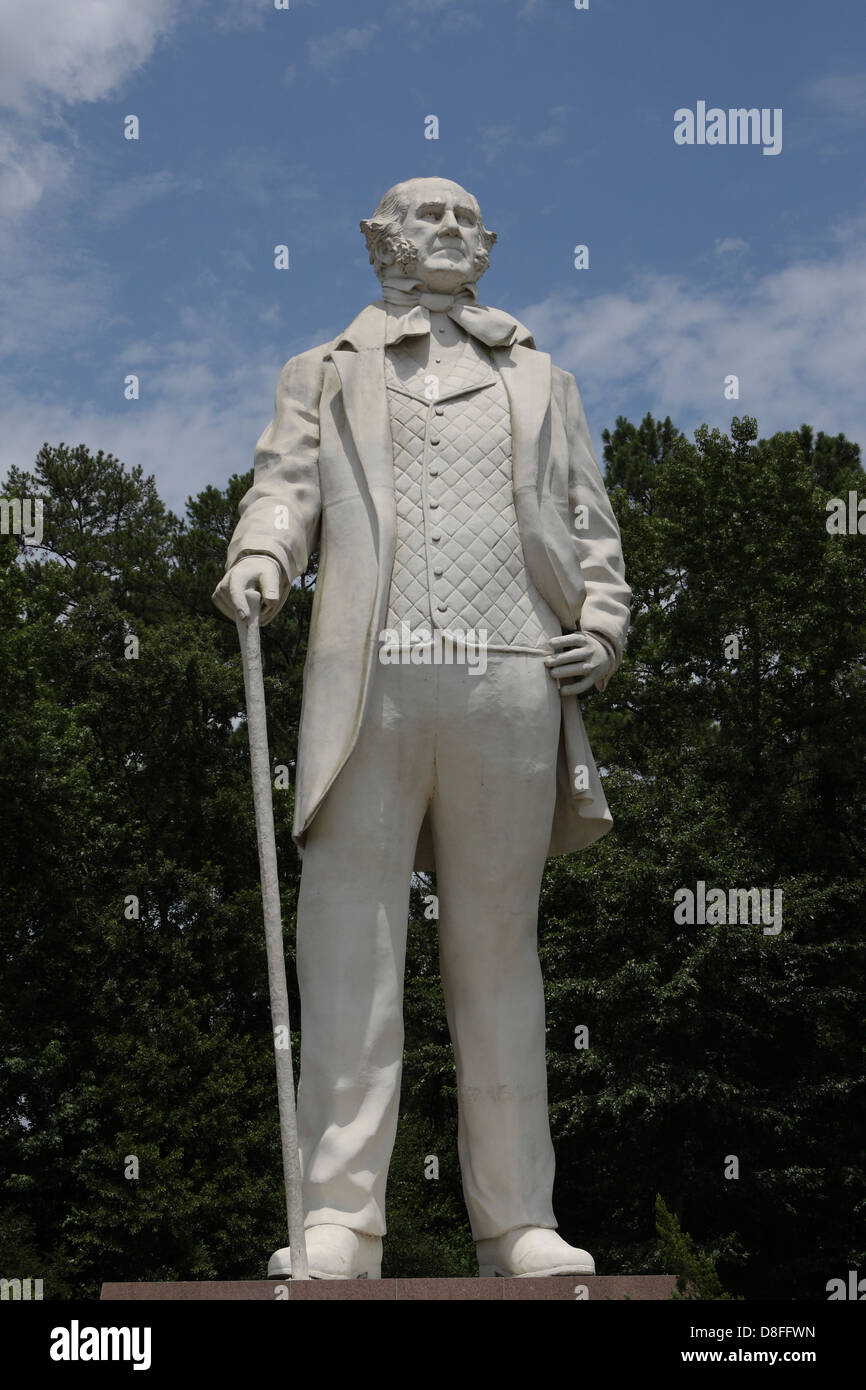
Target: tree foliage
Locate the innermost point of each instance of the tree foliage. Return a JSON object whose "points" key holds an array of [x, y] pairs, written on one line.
{"points": [[143, 1031]]}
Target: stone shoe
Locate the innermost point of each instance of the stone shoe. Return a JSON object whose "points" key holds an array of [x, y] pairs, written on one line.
{"points": [[333, 1252], [531, 1252]]}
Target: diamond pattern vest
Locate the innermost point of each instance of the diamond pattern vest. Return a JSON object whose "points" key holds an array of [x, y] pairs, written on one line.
{"points": [[459, 561]]}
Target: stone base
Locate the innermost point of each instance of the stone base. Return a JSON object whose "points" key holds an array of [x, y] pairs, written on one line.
{"points": [[577, 1288]]}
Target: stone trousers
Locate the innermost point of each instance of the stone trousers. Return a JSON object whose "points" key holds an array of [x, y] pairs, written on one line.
{"points": [[479, 751]]}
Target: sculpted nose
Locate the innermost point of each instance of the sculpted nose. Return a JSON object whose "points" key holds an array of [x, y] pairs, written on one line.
{"points": [[449, 225]]}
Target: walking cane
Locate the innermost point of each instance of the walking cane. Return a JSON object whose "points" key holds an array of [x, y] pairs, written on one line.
{"points": [[257, 726]]}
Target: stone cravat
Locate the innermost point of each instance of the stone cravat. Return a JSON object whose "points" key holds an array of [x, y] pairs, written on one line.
{"points": [[410, 305]]}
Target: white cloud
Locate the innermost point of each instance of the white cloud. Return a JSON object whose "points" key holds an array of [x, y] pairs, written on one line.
{"points": [[44, 305], [730, 245], [257, 176], [199, 414], [495, 141], [793, 336], [331, 49], [54, 53], [75, 50], [448, 16], [124, 197], [842, 95], [551, 135], [250, 14], [28, 166]]}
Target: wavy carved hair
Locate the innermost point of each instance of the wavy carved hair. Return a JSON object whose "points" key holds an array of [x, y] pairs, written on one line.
{"points": [[389, 247]]}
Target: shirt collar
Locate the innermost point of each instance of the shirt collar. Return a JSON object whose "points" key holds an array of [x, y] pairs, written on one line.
{"points": [[371, 328]]}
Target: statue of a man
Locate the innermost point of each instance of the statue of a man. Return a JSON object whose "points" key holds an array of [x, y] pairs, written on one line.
{"points": [[443, 468]]}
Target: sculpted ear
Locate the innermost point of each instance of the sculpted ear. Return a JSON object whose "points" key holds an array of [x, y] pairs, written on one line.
{"points": [[373, 227], [375, 231]]}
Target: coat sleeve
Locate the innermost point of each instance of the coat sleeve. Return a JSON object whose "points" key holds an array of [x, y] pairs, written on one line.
{"points": [[606, 612], [281, 513]]}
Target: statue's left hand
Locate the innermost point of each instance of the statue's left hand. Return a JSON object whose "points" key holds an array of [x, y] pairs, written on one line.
{"points": [[579, 659]]}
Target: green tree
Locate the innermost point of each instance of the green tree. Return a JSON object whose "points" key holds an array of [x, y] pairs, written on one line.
{"points": [[732, 743], [695, 1270], [738, 769], [136, 1029]]}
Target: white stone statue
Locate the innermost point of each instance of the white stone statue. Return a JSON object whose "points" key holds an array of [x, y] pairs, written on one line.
{"points": [[443, 468]]}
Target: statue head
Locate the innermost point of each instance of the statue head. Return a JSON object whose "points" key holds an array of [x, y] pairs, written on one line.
{"points": [[432, 230]]}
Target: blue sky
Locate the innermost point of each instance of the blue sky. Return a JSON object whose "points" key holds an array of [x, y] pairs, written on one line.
{"points": [[261, 126]]}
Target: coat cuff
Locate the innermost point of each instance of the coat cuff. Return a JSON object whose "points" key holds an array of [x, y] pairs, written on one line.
{"points": [[613, 653], [278, 559]]}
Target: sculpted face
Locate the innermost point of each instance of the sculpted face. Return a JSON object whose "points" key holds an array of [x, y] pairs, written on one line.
{"points": [[443, 222]]}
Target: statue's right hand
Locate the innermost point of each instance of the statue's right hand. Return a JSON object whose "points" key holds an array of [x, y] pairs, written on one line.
{"points": [[250, 572]]}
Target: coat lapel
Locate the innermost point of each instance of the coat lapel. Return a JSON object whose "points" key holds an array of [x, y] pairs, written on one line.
{"points": [[359, 358], [526, 374], [362, 379]]}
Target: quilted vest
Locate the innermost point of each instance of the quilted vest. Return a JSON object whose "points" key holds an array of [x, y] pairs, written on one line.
{"points": [[459, 562]]}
